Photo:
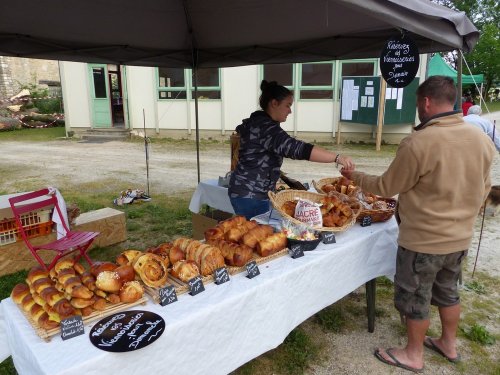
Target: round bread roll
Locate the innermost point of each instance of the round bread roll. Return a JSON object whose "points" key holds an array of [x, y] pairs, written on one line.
{"points": [[126, 273], [131, 291], [19, 292], [109, 281], [99, 267]]}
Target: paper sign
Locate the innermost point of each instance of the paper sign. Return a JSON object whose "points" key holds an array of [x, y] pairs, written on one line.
{"points": [[72, 327], [168, 295]]}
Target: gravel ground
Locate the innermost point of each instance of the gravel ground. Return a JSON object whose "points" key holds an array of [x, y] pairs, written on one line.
{"points": [[117, 166]]}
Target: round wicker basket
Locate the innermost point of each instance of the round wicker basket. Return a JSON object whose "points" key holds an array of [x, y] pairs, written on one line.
{"points": [[278, 199]]}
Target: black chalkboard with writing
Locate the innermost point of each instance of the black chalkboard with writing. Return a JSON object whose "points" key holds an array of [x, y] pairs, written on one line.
{"points": [[168, 295], [196, 285], [72, 327], [252, 269], [221, 275], [296, 250], [127, 331], [399, 61]]}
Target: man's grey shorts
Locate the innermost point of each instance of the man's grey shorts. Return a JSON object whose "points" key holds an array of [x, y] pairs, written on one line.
{"points": [[425, 279]]}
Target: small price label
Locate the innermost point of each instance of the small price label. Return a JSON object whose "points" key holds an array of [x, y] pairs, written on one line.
{"points": [[168, 295], [252, 269], [327, 238], [196, 285], [366, 221], [221, 275], [296, 251], [72, 327]]}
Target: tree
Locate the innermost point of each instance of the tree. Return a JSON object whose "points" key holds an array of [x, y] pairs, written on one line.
{"points": [[485, 57]]}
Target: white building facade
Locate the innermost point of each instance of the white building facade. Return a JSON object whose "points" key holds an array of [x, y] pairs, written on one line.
{"points": [[161, 100]]}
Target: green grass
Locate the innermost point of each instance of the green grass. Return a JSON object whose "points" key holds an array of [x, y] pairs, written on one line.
{"points": [[492, 106], [479, 334], [35, 135]]}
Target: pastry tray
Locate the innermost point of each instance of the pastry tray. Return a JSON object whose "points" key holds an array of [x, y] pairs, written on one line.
{"points": [[46, 334], [181, 287]]}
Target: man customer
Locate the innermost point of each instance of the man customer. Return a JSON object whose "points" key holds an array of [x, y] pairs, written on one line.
{"points": [[474, 117], [441, 189]]}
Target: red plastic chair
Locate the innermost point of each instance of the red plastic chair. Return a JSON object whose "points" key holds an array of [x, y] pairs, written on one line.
{"points": [[71, 242]]}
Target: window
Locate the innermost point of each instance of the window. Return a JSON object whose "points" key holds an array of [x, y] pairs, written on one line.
{"points": [[171, 83], [208, 83], [358, 69], [99, 83], [281, 73], [316, 81]]}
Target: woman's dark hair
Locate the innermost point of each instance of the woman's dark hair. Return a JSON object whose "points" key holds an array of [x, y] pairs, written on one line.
{"points": [[271, 90]]}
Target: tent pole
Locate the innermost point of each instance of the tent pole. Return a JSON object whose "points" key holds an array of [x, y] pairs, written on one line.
{"points": [[197, 129], [459, 81]]}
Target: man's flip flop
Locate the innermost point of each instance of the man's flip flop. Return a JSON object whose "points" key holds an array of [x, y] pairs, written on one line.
{"points": [[432, 346], [396, 363]]}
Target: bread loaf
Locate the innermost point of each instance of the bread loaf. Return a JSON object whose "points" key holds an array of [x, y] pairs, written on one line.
{"points": [[234, 254], [253, 236], [272, 244]]}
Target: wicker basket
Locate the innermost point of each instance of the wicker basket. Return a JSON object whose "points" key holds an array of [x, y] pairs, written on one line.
{"points": [[376, 215], [278, 199], [380, 215]]}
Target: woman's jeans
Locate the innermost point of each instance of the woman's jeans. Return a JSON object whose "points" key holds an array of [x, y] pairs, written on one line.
{"points": [[249, 207]]}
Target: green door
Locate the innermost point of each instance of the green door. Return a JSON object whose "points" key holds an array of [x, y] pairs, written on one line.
{"points": [[99, 96]]}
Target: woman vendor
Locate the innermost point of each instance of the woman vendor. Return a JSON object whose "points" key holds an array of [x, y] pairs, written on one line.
{"points": [[263, 145]]}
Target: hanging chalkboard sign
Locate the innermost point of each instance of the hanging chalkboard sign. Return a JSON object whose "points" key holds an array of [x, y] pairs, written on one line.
{"points": [[168, 295], [399, 61], [72, 327], [127, 331]]}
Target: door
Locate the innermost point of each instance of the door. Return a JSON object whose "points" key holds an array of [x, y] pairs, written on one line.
{"points": [[99, 94]]}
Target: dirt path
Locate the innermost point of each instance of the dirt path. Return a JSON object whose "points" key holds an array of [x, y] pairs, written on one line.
{"points": [[114, 166]]}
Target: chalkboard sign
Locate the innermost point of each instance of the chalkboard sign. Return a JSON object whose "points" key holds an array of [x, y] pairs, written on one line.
{"points": [[168, 295], [296, 250], [127, 331], [72, 327], [327, 238], [221, 275], [196, 285], [252, 269], [366, 221], [399, 61]]}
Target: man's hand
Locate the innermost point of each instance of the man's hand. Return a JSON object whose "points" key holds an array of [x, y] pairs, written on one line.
{"points": [[346, 161], [347, 173]]}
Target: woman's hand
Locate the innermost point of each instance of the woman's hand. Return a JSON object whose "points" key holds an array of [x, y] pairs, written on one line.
{"points": [[346, 161]]}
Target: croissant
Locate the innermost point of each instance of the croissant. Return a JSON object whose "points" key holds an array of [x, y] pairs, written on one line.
{"points": [[151, 269], [182, 243], [211, 259], [253, 236], [19, 292], [88, 280], [45, 322], [185, 270], [175, 254], [216, 233], [235, 234], [35, 273], [231, 223], [272, 244]]}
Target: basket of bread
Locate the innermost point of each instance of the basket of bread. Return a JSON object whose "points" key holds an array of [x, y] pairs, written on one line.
{"points": [[332, 213], [376, 207]]}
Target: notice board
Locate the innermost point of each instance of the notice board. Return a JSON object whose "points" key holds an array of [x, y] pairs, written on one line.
{"points": [[359, 100], [400, 104]]}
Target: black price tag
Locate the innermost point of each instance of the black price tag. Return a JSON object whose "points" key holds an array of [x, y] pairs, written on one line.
{"points": [[366, 221], [252, 269], [327, 238], [296, 251], [72, 327], [399, 61], [168, 295], [221, 275], [196, 285]]}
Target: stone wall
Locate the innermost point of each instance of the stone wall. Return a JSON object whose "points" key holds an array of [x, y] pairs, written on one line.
{"points": [[17, 71]]}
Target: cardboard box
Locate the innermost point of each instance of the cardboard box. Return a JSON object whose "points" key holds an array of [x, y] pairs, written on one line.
{"points": [[209, 219]]}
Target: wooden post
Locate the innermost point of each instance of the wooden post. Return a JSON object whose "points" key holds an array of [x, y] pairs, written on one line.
{"points": [[381, 107]]}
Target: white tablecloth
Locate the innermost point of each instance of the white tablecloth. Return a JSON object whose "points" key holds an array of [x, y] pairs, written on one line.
{"points": [[210, 193], [227, 325]]}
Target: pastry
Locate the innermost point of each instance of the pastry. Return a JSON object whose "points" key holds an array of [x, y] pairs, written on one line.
{"points": [[185, 270], [109, 281], [253, 236], [128, 256], [271, 244], [151, 269], [131, 291], [19, 292]]}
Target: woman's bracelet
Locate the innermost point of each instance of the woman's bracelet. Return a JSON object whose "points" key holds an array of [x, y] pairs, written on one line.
{"points": [[336, 161]]}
